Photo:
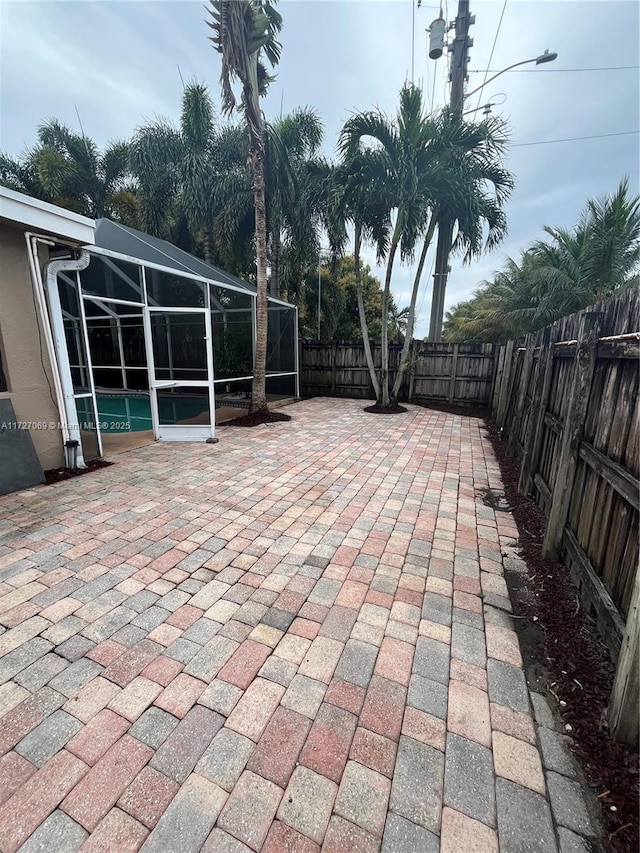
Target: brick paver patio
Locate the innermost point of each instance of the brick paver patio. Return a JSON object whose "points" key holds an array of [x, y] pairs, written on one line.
{"points": [[297, 639]]}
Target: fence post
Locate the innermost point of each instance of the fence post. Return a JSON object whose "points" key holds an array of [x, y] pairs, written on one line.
{"points": [[300, 366], [623, 705], [539, 400], [493, 352], [585, 360], [412, 370], [527, 364], [334, 354], [505, 384], [454, 369], [498, 364]]}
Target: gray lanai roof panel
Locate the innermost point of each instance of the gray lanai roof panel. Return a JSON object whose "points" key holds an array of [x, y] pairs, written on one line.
{"points": [[127, 241]]}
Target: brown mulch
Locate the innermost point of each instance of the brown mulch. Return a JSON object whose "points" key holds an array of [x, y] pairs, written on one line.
{"points": [[254, 419], [575, 664], [467, 411], [57, 475], [377, 409]]}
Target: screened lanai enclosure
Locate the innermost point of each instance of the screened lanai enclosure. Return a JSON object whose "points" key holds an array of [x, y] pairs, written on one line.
{"points": [[161, 343]]}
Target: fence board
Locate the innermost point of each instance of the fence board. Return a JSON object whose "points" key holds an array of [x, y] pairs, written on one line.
{"points": [[460, 374], [576, 413]]}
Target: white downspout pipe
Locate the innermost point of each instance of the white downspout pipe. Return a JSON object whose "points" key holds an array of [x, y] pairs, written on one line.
{"points": [[61, 353], [38, 291]]}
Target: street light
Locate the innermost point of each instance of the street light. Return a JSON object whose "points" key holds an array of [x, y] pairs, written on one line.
{"points": [[539, 60]]}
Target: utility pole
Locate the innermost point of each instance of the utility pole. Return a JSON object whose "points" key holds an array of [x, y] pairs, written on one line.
{"points": [[458, 76]]}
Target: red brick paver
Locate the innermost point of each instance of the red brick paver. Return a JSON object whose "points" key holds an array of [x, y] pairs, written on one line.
{"points": [[277, 643]]}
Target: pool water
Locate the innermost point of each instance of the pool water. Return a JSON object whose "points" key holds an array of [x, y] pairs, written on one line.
{"points": [[132, 412]]}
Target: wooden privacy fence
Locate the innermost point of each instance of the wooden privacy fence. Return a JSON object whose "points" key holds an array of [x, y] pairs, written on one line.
{"points": [[452, 373], [566, 399]]}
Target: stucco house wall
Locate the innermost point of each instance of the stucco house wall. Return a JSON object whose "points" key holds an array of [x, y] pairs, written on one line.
{"points": [[24, 354]]}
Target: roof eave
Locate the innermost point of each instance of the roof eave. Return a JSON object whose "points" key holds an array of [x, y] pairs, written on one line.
{"points": [[33, 214]]}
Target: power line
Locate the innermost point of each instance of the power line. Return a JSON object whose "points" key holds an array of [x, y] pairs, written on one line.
{"points": [[576, 138], [553, 70], [493, 47]]}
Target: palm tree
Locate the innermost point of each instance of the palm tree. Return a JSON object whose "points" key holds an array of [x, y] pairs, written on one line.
{"points": [[558, 276], [430, 165], [403, 196], [504, 307], [357, 195], [234, 222], [398, 322], [244, 32], [198, 164], [68, 169], [293, 175], [579, 267], [180, 171], [291, 144], [468, 188], [614, 250], [155, 156]]}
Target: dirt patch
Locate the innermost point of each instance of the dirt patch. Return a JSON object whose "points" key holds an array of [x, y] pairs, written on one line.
{"points": [[57, 475], [377, 409], [566, 659], [256, 418]]}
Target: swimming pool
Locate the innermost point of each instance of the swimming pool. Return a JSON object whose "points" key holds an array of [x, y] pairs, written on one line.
{"points": [[130, 412]]}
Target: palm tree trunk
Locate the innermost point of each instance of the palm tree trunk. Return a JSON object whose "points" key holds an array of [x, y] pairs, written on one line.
{"points": [[207, 245], [384, 336], [361, 312], [408, 337], [276, 245], [258, 389]]}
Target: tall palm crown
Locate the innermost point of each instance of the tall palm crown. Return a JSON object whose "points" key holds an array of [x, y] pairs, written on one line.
{"points": [[68, 169], [244, 30], [437, 162], [294, 174], [177, 170], [400, 151], [568, 271], [477, 186], [580, 266]]}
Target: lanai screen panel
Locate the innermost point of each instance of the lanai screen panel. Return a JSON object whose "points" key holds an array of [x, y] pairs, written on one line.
{"points": [[179, 347], [116, 336], [232, 325], [115, 331], [71, 306], [72, 321], [282, 340], [113, 279], [170, 290]]}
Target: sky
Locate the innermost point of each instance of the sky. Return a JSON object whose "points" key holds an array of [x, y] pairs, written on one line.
{"points": [[115, 64]]}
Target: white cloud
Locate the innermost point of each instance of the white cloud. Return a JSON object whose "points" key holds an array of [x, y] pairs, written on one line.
{"points": [[118, 63]]}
